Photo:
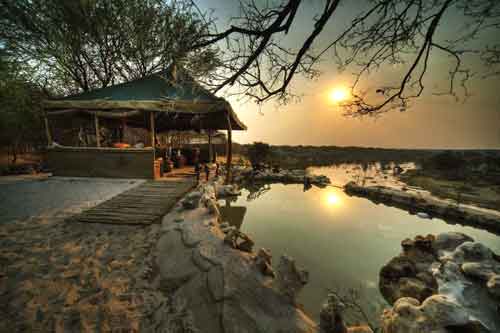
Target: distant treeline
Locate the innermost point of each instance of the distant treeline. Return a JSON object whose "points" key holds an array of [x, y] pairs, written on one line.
{"points": [[305, 156]]}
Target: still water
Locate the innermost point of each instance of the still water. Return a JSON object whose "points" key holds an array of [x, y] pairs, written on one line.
{"points": [[342, 241]]}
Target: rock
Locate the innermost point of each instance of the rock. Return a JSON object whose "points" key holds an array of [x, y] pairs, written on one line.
{"points": [[407, 244], [246, 245], [174, 260], [263, 262], [265, 254], [212, 207], [436, 314], [290, 279], [408, 275], [398, 278], [359, 329], [415, 287], [231, 237], [478, 270], [238, 240], [192, 200], [226, 228], [398, 267], [227, 191], [472, 251], [448, 241], [423, 215], [452, 264], [424, 243], [216, 282], [494, 286], [201, 262]]}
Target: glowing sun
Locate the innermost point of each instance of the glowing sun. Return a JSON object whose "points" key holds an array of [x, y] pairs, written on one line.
{"points": [[332, 199], [339, 94]]}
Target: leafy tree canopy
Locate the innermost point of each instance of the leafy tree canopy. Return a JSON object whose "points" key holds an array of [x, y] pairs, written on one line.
{"points": [[86, 44], [20, 109]]}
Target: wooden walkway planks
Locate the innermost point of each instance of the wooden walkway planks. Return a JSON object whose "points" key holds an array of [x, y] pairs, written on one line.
{"points": [[143, 204]]}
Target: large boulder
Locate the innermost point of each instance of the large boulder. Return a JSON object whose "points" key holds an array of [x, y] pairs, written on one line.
{"points": [[448, 241], [408, 275], [451, 265], [192, 200], [290, 279], [437, 314]]}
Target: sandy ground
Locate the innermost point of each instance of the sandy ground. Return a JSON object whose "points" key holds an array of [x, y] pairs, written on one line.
{"points": [[71, 277]]}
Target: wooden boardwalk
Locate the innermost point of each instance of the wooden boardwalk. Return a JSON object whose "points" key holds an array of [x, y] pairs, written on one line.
{"points": [[144, 204]]}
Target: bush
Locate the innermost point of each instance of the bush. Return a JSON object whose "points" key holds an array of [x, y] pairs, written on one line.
{"points": [[258, 152], [446, 161]]}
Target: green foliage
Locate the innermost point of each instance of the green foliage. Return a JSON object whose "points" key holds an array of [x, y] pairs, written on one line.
{"points": [[258, 152], [20, 121], [446, 161], [76, 45]]}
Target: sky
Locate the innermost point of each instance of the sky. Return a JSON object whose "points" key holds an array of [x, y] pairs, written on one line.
{"points": [[431, 122]]}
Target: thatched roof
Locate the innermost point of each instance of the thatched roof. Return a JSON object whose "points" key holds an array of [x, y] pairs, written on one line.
{"points": [[178, 101]]}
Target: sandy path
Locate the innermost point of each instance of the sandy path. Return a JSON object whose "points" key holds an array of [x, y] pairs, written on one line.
{"points": [[71, 277]]}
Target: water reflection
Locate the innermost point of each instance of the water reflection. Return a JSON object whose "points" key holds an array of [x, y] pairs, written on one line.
{"points": [[332, 199], [234, 215], [342, 241]]}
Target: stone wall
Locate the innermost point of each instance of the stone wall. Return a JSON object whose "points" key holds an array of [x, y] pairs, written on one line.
{"points": [[101, 162]]}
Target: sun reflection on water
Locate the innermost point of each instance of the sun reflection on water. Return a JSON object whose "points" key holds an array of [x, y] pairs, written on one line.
{"points": [[332, 199]]}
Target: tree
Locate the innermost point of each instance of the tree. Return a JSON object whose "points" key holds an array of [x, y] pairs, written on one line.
{"points": [[405, 33], [99, 42], [258, 152], [20, 121], [81, 45]]}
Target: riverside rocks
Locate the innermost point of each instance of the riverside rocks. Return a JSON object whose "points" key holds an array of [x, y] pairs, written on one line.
{"points": [[192, 200], [238, 240], [439, 281], [433, 207], [223, 288], [437, 314], [290, 279], [227, 191], [408, 275], [263, 262]]}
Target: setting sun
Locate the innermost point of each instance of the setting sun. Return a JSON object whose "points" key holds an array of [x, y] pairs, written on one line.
{"points": [[339, 94]]}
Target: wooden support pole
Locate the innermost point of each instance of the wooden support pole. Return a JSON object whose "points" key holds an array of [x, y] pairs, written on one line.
{"points": [[210, 148], [152, 128], [97, 131], [47, 130], [229, 150]]}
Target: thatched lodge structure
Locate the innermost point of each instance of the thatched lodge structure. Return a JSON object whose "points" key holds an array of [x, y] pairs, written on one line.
{"points": [[167, 101]]}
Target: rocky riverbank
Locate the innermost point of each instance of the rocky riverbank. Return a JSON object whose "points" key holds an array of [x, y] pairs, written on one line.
{"points": [[225, 285], [443, 283], [428, 206]]}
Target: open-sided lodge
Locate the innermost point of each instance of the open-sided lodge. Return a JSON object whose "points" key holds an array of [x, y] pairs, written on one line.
{"points": [[127, 130]]}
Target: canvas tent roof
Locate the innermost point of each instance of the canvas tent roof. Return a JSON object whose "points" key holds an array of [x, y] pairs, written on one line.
{"points": [[178, 101]]}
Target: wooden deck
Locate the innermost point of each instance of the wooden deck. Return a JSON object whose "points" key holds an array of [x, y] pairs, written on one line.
{"points": [[144, 204]]}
